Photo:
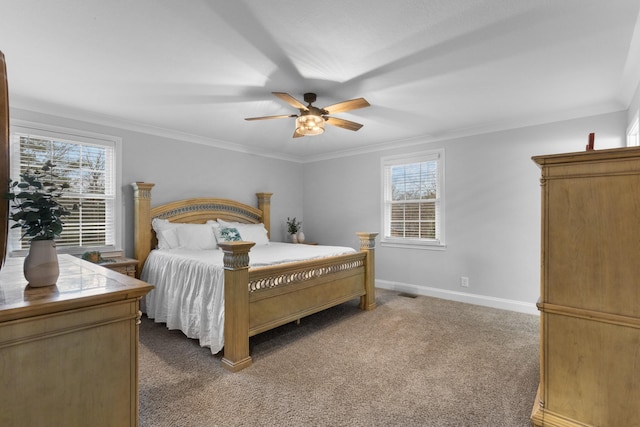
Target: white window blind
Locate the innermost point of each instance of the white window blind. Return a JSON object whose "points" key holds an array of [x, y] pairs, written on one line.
{"points": [[88, 166], [412, 198]]}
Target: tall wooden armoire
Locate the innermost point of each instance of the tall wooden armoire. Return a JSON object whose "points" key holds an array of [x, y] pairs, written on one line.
{"points": [[590, 290]]}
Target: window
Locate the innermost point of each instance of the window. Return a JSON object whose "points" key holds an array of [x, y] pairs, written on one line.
{"points": [[413, 200], [88, 164]]}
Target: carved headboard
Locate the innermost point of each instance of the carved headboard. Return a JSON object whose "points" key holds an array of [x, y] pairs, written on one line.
{"points": [[193, 211]]}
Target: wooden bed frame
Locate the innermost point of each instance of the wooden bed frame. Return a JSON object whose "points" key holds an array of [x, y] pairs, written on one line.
{"points": [[259, 299]]}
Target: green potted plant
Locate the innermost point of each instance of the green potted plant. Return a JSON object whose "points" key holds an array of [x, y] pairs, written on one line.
{"points": [[35, 209], [294, 229]]}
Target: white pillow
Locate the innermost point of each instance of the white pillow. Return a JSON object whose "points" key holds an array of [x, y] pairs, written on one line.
{"points": [[166, 239], [249, 232], [213, 223], [173, 235], [196, 236], [224, 223]]}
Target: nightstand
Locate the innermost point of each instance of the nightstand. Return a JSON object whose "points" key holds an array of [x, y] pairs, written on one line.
{"points": [[121, 265]]}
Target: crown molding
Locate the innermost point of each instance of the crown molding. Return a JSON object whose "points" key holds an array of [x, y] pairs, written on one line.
{"points": [[71, 114]]}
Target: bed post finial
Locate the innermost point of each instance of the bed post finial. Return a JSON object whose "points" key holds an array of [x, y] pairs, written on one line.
{"points": [[368, 244], [264, 204], [142, 222]]}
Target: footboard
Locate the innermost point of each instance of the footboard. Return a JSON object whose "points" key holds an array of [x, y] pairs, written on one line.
{"points": [[281, 294], [284, 293]]}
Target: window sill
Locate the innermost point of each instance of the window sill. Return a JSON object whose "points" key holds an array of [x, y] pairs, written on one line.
{"points": [[74, 250], [413, 245]]}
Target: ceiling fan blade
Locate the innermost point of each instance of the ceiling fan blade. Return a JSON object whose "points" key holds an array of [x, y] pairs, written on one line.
{"points": [[344, 124], [283, 116], [290, 100], [341, 107]]}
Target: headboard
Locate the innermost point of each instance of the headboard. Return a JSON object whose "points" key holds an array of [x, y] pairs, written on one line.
{"points": [[193, 211]]}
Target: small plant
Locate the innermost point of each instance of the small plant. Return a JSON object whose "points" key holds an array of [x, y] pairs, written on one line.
{"points": [[34, 205], [293, 226], [93, 256]]}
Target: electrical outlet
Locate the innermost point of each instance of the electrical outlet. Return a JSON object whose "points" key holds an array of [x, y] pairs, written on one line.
{"points": [[464, 282]]}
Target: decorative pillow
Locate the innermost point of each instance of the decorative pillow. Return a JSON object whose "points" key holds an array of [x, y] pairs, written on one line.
{"points": [[249, 232], [196, 236], [227, 234]]}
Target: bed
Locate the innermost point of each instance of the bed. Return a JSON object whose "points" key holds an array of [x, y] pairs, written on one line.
{"points": [[256, 298]]}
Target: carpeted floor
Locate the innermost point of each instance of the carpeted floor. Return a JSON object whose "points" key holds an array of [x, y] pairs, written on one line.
{"points": [[410, 362]]}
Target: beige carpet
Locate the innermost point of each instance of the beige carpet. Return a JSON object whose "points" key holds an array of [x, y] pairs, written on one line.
{"points": [[410, 362]]}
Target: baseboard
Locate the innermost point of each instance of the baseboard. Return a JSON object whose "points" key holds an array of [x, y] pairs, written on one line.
{"points": [[505, 304]]}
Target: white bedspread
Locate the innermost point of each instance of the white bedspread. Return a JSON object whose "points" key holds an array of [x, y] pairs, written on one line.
{"points": [[189, 290]]}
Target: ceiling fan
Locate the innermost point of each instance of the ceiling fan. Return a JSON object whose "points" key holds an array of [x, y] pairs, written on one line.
{"points": [[311, 119]]}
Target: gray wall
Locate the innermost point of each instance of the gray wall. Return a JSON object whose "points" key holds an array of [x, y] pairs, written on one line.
{"points": [[492, 211], [182, 170]]}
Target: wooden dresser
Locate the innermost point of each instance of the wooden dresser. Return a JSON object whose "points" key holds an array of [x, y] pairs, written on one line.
{"points": [[590, 290], [69, 352]]}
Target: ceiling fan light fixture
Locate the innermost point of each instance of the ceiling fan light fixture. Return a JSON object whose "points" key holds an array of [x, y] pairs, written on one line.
{"points": [[309, 125], [312, 119]]}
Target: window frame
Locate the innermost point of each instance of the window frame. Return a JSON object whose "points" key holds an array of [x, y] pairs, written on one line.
{"points": [[633, 131], [417, 243], [78, 136]]}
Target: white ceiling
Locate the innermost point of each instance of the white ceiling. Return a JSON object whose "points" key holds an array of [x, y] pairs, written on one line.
{"points": [[193, 69]]}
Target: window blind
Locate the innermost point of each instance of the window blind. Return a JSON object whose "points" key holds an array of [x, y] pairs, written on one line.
{"points": [[88, 169], [412, 197]]}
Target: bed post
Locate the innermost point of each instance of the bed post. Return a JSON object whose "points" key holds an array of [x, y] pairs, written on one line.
{"points": [[367, 244], [142, 222], [236, 305], [264, 204]]}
